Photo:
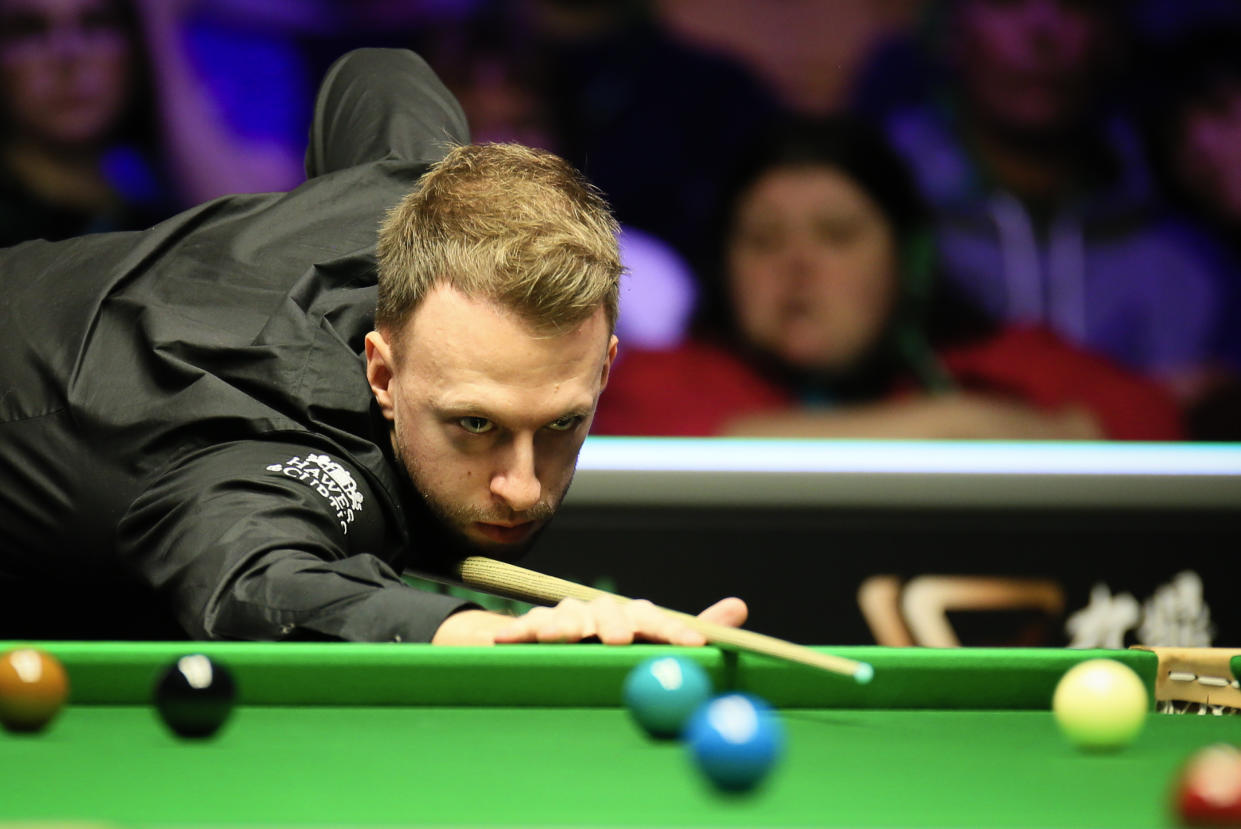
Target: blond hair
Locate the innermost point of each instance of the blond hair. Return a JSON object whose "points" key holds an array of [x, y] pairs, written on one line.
{"points": [[508, 223]]}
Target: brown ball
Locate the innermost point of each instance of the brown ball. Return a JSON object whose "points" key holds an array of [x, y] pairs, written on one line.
{"points": [[33, 689]]}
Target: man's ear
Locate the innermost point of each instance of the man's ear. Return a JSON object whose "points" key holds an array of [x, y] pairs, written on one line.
{"points": [[607, 363], [380, 371]]}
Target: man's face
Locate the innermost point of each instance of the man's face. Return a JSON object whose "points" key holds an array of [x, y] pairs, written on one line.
{"points": [[1029, 64], [1208, 153], [488, 413], [812, 267], [65, 68]]}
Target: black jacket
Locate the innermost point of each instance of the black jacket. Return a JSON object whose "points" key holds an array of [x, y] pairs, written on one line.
{"points": [[186, 431]]}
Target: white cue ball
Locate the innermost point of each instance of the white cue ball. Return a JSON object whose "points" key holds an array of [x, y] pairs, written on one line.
{"points": [[1100, 704]]}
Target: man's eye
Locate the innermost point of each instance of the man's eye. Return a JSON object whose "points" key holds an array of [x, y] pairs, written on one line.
{"points": [[565, 423], [476, 425]]}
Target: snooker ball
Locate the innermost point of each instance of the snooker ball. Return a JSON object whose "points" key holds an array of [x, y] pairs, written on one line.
{"points": [[1100, 705], [33, 689], [735, 740], [195, 696], [1208, 789], [662, 693]]}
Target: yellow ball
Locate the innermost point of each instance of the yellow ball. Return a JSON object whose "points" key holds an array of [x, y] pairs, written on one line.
{"points": [[1100, 704]]}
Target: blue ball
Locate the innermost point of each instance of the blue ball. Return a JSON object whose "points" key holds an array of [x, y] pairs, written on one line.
{"points": [[663, 692], [735, 739]]}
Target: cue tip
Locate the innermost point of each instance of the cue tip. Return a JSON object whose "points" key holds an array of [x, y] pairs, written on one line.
{"points": [[864, 673]]}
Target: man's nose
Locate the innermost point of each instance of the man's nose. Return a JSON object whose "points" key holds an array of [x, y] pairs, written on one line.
{"points": [[515, 481], [801, 262], [68, 41]]}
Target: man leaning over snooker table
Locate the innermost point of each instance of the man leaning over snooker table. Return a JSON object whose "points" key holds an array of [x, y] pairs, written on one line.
{"points": [[201, 434]]}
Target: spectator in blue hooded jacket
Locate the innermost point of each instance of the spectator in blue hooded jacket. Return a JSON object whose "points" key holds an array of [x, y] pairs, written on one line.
{"points": [[1045, 209]]}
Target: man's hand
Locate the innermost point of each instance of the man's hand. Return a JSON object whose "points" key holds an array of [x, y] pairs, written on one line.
{"points": [[613, 622]]}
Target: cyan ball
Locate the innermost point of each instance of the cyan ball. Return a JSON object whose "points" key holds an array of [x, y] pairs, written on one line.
{"points": [[663, 692]]}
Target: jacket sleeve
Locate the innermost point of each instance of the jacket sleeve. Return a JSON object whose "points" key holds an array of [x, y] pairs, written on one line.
{"points": [[377, 104], [260, 540]]}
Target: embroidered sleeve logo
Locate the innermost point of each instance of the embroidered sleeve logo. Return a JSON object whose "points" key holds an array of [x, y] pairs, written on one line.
{"points": [[329, 479]]}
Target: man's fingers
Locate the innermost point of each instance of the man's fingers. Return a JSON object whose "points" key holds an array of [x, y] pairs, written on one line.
{"points": [[569, 621], [518, 630], [654, 624], [731, 612], [612, 626], [616, 623], [572, 621], [536, 626]]}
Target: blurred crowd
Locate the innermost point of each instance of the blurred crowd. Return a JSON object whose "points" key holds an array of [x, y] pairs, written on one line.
{"points": [[882, 218]]}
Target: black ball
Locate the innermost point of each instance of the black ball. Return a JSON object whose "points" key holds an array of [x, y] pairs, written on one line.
{"points": [[195, 696]]}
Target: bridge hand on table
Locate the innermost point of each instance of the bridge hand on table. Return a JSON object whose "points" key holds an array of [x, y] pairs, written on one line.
{"points": [[611, 621]]}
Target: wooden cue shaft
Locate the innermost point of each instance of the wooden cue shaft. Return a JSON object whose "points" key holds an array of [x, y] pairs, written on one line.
{"points": [[528, 585]]}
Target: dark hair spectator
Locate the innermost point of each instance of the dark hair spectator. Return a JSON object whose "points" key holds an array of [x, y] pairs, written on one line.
{"points": [[652, 121], [830, 321], [77, 132], [1194, 130], [488, 61], [109, 122], [1195, 125]]}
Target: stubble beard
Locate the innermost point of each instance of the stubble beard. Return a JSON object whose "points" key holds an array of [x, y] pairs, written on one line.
{"points": [[452, 519]]}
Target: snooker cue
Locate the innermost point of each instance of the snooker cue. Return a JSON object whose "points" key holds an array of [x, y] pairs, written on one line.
{"points": [[516, 582]]}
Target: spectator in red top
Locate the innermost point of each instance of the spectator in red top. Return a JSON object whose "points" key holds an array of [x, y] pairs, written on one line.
{"points": [[828, 323]]}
